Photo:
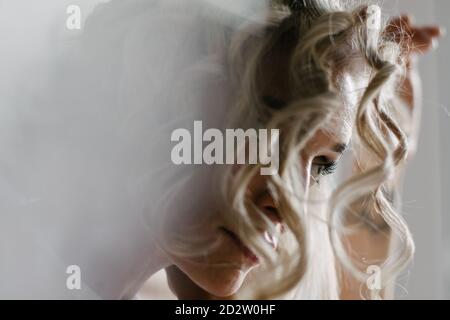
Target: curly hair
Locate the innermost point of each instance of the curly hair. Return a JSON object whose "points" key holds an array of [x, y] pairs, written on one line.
{"points": [[323, 36]]}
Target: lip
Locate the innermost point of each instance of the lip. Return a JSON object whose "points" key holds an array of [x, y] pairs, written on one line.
{"points": [[249, 255]]}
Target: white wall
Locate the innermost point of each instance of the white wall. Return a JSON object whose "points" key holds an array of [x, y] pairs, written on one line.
{"points": [[426, 195]]}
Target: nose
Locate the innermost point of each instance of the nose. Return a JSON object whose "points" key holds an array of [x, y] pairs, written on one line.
{"points": [[306, 165], [267, 205]]}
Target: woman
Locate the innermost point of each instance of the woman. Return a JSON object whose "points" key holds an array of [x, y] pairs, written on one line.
{"points": [[110, 200], [344, 59]]}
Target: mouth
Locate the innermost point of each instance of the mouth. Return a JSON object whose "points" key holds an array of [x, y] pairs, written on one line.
{"points": [[249, 255]]}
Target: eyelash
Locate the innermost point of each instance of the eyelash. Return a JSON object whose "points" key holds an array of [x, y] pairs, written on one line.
{"points": [[326, 168], [273, 102]]}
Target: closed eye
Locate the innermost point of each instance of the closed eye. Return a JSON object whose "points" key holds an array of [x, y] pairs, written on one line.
{"points": [[323, 166], [273, 102]]}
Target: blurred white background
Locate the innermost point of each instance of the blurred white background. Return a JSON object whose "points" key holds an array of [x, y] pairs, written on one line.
{"points": [[426, 192]]}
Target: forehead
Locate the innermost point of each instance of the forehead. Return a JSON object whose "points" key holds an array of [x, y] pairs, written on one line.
{"points": [[349, 80], [351, 85]]}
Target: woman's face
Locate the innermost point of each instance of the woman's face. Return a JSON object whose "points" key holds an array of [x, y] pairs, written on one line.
{"points": [[222, 271]]}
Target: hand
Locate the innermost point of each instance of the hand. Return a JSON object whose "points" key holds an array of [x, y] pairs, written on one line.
{"points": [[415, 41]]}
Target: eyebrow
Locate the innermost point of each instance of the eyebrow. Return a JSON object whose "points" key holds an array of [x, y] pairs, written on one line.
{"points": [[340, 147]]}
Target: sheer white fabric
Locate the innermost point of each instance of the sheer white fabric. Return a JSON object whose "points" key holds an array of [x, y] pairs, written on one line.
{"points": [[85, 126]]}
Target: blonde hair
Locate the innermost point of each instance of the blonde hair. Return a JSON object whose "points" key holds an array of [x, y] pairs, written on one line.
{"points": [[327, 35]]}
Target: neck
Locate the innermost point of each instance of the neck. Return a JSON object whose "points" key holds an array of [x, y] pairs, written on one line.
{"points": [[153, 259]]}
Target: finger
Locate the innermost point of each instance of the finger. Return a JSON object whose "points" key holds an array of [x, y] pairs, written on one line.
{"points": [[433, 31], [422, 42], [400, 26], [404, 18], [407, 19], [396, 24], [420, 36]]}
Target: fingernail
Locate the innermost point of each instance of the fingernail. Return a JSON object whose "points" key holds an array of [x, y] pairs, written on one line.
{"points": [[434, 43]]}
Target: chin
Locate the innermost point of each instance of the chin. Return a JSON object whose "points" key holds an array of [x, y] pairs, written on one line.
{"points": [[221, 273], [224, 284], [220, 282]]}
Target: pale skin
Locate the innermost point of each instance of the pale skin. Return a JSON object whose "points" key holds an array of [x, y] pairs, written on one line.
{"points": [[191, 278]]}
